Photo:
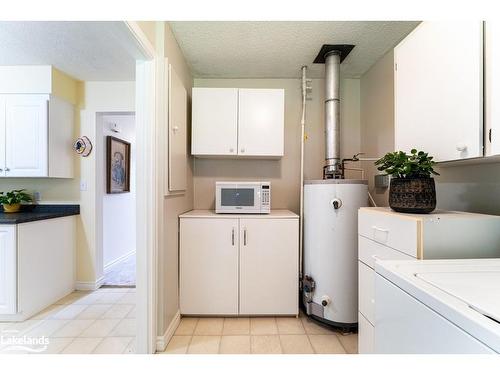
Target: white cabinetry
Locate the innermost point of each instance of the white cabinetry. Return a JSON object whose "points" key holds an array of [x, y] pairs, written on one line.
{"points": [[36, 134], [492, 87], [37, 265], [439, 90], [387, 235], [268, 251], [209, 266], [238, 122], [8, 269], [237, 264]]}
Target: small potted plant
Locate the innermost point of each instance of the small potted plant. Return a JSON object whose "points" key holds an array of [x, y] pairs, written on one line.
{"points": [[412, 189], [11, 201]]}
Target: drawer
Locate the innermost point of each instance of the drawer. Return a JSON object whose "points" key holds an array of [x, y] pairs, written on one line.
{"points": [[366, 295], [369, 251], [366, 333], [396, 231]]}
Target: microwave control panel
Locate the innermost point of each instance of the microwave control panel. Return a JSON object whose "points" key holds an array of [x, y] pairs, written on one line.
{"points": [[266, 198]]}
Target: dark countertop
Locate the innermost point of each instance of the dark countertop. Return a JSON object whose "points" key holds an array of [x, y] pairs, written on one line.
{"points": [[39, 212]]}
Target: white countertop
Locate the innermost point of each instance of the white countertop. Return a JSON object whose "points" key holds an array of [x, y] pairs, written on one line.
{"points": [[275, 214], [436, 214], [463, 291]]}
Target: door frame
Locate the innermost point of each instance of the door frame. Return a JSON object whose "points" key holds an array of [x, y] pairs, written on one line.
{"points": [[147, 201]]}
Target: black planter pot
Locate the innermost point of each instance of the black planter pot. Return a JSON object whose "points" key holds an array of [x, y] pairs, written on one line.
{"points": [[412, 195]]}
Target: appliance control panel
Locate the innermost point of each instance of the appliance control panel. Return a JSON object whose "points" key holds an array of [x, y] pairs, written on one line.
{"points": [[266, 198]]}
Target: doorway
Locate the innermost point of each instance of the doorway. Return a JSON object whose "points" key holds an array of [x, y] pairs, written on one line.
{"points": [[118, 207]]}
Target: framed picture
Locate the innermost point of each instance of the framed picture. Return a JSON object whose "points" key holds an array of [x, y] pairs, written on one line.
{"points": [[117, 166]]}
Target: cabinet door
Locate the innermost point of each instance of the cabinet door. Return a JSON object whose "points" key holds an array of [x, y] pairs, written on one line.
{"points": [[8, 270], [261, 122], [209, 266], [438, 90], [2, 135], [214, 121], [26, 136], [177, 133], [269, 266], [492, 87]]}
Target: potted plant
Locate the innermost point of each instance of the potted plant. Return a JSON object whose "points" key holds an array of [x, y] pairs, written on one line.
{"points": [[12, 200], [412, 189]]}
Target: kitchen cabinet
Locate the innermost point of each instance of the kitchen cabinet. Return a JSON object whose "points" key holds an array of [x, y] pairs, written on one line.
{"points": [[438, 88], [260, 122], [37, 265], [492, 87], [239, 264], [36, 133], [8, 269], [238, 122], [388, 235], [268, 266], [209, 266]]}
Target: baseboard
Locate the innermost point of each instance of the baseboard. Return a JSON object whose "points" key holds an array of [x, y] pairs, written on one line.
{"points": [[89, 285], [162, 341], [119, 259]]}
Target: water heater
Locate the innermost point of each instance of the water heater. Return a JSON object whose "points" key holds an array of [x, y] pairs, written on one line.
{"points": [[330, 282]]}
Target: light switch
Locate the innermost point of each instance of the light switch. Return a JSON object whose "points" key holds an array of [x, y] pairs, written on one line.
{"points": [[83, 185]]}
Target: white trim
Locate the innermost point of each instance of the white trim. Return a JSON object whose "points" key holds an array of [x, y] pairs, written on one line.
{"points": [[89, 285], [117, 260], [162, 341]]}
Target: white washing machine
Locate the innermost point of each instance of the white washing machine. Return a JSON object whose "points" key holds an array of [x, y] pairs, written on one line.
{"points": [[437, 307]]}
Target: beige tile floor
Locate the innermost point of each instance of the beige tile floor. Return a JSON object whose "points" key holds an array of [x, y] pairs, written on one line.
{"points": [[102, 321], [269, 335]]}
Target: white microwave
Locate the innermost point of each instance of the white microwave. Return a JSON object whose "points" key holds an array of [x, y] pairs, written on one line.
{"points": [[242, 197]]}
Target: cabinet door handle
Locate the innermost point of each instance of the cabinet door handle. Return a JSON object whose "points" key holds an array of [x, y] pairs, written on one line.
{"points": [[232, 237], [245, 236], [7, 169]]}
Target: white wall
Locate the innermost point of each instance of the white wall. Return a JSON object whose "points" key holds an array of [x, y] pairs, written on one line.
{"points": [[118, 210]]}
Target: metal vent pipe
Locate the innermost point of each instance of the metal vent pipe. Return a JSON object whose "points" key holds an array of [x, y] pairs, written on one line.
{"points": [[332, 115]]}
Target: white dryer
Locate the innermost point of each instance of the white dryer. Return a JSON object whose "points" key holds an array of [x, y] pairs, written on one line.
{"points": [[437, 306]]}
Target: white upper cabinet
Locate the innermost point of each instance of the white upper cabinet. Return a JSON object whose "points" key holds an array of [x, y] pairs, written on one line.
{"points": [[36, 135], [238, 122], [260, 122], [492, 87], [439, 90], [214, 121], [26, 135]]}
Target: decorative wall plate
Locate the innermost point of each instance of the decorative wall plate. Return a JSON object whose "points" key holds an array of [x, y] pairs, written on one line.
{"points": [[83, 146]]}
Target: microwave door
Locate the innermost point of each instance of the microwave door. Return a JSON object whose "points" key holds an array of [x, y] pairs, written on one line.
{"points": [[238, 198]]}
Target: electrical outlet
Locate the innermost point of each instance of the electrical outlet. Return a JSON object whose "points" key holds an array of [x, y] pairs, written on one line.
{"points": [[37, 196], [83, 185]]}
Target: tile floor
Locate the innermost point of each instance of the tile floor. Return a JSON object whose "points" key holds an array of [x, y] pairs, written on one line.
{"points": [[102, 321], [280, 335]]}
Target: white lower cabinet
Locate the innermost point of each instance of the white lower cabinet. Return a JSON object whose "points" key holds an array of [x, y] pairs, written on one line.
{"points": [[236, 265], [268, 266], [37, 265], [209, 266], [388, 235], [8, 269]]}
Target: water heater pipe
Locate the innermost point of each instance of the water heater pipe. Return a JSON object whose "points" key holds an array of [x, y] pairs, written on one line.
{"points": [[332, 115], [302, 140]]}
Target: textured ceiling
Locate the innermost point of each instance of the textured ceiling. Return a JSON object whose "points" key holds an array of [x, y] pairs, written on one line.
{"points": [[278, 49], [89, 51]]}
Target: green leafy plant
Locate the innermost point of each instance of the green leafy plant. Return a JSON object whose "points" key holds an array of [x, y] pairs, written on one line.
{"points": [[15, 197], [399, 164]]}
